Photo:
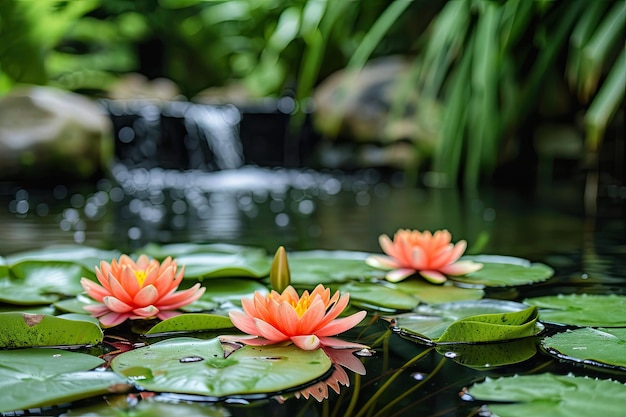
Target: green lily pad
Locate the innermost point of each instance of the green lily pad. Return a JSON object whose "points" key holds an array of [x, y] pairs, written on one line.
{"points": [[597, 347], [149, 408], [36, 309], [478, 321], [194, 366], [222, 265], [309, 268], [376, 295], [486, 356], [581, 309], [83, 255], [75, 304], [551, 395], [33, 330], [42, 282], [175, 250], [502, 271], [32, 378], [191, 322], [435, 294], [230, 290]]}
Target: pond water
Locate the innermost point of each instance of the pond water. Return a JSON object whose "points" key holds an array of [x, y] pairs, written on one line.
{"points": [[304, 210]]}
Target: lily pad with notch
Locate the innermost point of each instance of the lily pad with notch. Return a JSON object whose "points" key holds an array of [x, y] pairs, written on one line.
{"points": [[503, 271], [480, 321], [198, 367]]}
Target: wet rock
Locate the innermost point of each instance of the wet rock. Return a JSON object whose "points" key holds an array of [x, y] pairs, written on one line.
{"points": [[47, 134], [357, 107]]}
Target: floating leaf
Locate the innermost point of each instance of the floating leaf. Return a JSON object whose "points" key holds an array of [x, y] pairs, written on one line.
{"points": [[83, 255], [501, 271], [376, 295], [221, 265], [75, 305], [231, 290], [435, 294], [32, 330], [40, 377], [175, 250], [551, 395], [469, 322], [486, 356], [191, 322], [148, 407], [309, 268], [582, 309], [42, 282], [194, 366], [597, 347]]}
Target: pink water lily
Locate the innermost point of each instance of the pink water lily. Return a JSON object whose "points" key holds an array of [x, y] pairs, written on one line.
{"points": [[138, 290], [309, 321], [433, 256]]}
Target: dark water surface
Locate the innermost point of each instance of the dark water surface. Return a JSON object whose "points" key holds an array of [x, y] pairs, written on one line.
{"points": [[304, 210]]}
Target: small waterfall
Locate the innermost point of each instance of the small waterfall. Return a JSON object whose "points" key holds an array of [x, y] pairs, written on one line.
{"points": [[175, 135]]}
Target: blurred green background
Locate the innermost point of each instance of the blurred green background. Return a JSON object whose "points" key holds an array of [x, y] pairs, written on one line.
{"points": [[486, 73]]}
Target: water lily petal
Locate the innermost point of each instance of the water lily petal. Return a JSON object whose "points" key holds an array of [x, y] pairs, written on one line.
{"points": [[148, 311], [97, 310], [95, 291], [290, 321], [435, 277], [164, 315], [181, 298], [398, 275], [113, 319], [116, 305], [311, 319], [269, 332], [146, 296], [308, 342], [334, 343], [341, 325], [462, 268], [243, 322], [381, 262]]}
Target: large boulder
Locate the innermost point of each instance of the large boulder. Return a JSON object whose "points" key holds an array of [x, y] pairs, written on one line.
{"points": [[49, 134]]}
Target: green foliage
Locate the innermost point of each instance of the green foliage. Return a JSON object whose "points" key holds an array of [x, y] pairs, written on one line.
{"points": [[551, 395], [581, 309]]}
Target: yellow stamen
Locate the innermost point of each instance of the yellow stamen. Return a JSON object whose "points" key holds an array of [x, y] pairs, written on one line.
{"points": [[141, 276], [302, 305]]}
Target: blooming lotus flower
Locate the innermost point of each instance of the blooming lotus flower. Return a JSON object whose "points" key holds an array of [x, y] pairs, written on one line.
{"points": [[433, 256], [308, 321], [340, 358], [137, 290]]}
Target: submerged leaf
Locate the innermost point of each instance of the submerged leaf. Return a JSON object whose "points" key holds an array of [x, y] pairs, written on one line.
{"points": [[33, 330], [551, 395], [582, 309], [486, 356], [32, 378], [194, 366]]}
